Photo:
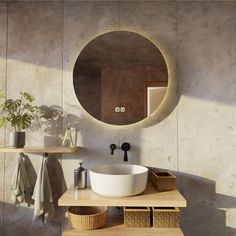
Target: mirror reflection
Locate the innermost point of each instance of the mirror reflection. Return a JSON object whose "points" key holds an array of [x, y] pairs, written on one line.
{"points": [[120, 77]]}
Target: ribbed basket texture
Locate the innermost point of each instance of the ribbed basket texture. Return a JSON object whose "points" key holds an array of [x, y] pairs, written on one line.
{"points": [[166, 217], [137, 216], [87, 218]]}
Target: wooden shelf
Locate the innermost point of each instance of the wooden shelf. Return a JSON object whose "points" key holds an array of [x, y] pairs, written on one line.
{"points": [[116, 227], [39, 150], [150, 197], [121, 230]]}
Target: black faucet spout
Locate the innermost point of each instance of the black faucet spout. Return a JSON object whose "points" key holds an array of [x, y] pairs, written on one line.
{"points": [[125, 147]]}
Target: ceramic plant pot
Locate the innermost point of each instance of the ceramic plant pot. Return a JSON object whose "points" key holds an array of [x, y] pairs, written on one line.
{"points": [[20, 139]]}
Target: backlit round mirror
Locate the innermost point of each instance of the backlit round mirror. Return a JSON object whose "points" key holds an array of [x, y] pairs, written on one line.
{"points": [[120, 77]]}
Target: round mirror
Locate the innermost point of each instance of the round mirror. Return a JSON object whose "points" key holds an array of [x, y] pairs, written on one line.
{"points": [[120, 77]]}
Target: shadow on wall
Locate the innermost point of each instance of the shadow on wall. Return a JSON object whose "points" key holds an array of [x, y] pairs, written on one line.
{"points": [[54, 122], [54, 119], [202, 217], [18, 219]]}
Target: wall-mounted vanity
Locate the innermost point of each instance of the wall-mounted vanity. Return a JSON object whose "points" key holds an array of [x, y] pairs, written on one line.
{"points": [[115, 225]]}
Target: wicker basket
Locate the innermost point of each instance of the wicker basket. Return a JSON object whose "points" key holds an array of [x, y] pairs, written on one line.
{"points": [[166, 217], [137, 216], [163, 180], [87, 218]]}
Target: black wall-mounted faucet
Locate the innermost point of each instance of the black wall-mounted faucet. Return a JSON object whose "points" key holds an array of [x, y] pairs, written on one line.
{"points": [[125, 147]]}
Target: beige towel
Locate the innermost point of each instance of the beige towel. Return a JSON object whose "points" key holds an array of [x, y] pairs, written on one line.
{"points": [[21, 186], [43, 200]]}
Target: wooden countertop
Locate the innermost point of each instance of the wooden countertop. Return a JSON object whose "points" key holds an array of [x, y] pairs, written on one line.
{"points": [[150, 197]]}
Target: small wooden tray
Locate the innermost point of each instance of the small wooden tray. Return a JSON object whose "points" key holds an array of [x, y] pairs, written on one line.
{"points": [[163, 180]]}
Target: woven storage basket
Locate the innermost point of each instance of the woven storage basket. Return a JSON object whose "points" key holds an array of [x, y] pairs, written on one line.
{"points": [[137, 216], [87, 218], [163, 180], [166, 217]]}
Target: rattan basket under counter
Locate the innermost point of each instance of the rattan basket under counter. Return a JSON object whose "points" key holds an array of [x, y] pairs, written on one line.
{"points": [[137, 216], [87, 218], [166, 217]]}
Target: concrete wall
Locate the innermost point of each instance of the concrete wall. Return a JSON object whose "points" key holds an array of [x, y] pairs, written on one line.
{"points": [[194, 134]]}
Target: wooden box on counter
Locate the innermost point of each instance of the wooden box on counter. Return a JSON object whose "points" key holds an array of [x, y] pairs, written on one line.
{"points": [[163, 180]]}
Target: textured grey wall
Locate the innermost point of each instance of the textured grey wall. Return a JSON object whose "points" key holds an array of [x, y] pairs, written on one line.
{"points": [[39, 43]]}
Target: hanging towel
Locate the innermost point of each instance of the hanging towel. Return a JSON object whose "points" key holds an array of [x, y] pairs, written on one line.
{"points": [[43, 200], [22, 184], [32, 176]]}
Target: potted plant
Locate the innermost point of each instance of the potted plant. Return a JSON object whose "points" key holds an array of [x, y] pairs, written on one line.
{"points": [[20, 114]]}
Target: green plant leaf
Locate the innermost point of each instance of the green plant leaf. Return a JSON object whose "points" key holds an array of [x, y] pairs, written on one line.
{"points": [[26, 121], [27, 96], [2, 106], [11, 105], [29, 107], [19, 113], [3, 122]]}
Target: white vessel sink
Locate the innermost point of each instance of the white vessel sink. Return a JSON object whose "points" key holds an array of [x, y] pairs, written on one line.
{"points": [[118, 180]]}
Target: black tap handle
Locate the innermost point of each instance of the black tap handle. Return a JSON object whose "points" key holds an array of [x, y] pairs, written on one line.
{"points": [[112, 147], [125, 147]]}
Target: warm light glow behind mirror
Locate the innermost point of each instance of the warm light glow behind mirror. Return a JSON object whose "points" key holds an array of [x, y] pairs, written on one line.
{"points": [[112, 75]]}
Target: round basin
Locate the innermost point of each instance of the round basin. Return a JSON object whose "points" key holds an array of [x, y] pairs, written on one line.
{"points": [[118, 180]]}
